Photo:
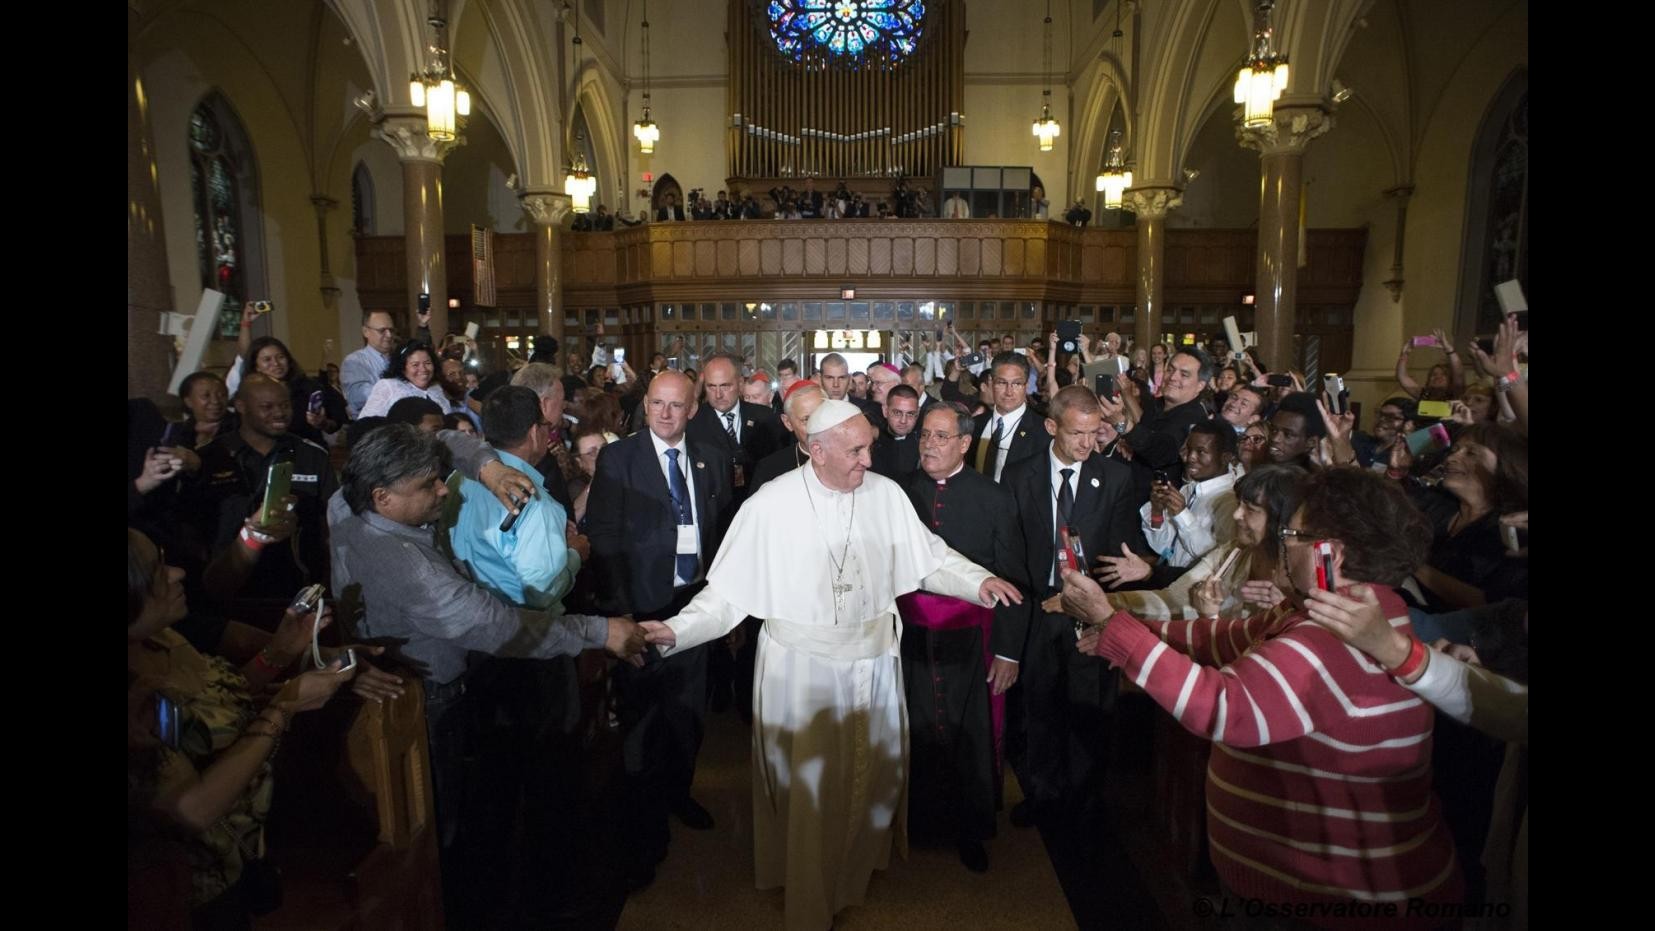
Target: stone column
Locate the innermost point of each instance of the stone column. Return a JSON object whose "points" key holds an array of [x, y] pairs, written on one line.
{"points": [[1281, 147], [148, 290], [1151, 205], [329, 289], [547, 209], [421, 158]]}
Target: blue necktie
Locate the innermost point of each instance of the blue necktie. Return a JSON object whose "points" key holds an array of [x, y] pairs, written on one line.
{"points": [[685, 566]]}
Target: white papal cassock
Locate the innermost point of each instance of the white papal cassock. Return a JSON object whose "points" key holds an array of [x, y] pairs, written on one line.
{"points": [[830, 741]]}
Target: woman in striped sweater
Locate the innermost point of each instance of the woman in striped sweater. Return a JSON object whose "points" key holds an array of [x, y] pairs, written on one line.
{"points": [[1319, 792]]}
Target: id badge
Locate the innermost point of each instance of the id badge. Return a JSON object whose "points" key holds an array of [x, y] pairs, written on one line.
{"points": [[740, 476], [688, 541]]}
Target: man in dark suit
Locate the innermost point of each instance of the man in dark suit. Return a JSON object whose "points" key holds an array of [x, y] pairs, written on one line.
{"points": [[802, 400], [1011, 432], [669, 209], [1059, 736], [746, 432], [955, 695], [895, 452], [1156, 427], [656, 513]]}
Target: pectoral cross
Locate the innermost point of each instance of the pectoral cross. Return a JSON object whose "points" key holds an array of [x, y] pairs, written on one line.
{"points": [[839, 590]]}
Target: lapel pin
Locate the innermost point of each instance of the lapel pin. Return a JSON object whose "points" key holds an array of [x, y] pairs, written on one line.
{"points": [[749, 423], [1094, 483], [703, 465], [1022, 433]]}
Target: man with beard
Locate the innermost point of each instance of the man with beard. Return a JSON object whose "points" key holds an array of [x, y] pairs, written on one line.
{"points": [[959, 658]]}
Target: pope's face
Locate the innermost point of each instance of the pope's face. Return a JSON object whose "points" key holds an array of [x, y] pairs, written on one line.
{"points": [[843, 455]]}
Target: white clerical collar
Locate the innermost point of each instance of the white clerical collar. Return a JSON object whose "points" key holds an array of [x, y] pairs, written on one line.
{"points": [[957, 470], [815, 483], [661, 446]]}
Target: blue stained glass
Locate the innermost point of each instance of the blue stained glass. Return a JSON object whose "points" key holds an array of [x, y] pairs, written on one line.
{"points": [[850, 28]]}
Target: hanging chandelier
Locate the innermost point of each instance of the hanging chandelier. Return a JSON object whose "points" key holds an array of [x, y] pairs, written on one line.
{"points": [[579, 183], [1115, 178], [1046, 129], [1263, 76], [645, 129], [445, 101]]}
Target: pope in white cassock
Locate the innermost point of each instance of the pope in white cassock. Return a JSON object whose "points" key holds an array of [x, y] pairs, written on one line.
{"points": [[821, 554]]}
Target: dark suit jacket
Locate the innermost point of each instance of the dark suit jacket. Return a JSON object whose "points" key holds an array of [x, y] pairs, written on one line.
{"points": [[1106, 513], [761, 430], [979, 519], [674, 212], [776, 465], [894, 458], [632, 525], [1030, 439]]}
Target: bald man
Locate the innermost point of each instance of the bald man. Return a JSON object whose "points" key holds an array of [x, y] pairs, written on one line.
{"points": [[746, 432], [656, 513]]}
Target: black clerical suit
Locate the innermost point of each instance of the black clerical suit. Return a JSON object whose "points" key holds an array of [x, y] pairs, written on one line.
{"points": [[893, 456], [955, 785], [1058, 722], [777, 464], [759, 432], [1028, 439], [663, 214], [633, 526]]}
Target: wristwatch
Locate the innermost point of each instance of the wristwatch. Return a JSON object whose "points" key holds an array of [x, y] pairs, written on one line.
{"points": [[1120, 427]]}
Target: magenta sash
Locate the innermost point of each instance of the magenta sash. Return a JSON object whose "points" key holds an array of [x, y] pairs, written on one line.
{"points": [[940, 612]]}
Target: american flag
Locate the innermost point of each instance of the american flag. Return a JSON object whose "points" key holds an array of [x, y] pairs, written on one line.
{"points": [[482, 267]]}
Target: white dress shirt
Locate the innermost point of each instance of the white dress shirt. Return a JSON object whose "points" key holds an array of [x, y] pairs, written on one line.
{"points": [[683, 447], [1009, 428], [728, 418], [1208, 519]]}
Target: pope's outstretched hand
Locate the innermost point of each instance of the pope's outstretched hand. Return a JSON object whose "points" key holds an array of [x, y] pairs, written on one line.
{"points": [[658, 633], [998, 591]]}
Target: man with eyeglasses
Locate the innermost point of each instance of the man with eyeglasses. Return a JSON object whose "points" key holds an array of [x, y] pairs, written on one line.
{"points": [[1373, 450], [1004, 434], [363, 367], [959, 658], [896, 452]]}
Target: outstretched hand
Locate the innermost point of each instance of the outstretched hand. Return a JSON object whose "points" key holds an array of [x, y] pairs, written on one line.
{"points": [[1118, 570], [657, 633], [996, 591]]}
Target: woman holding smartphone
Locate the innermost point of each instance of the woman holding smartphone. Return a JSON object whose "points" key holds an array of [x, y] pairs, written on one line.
{"points": [[314, 411], [199, 776]]}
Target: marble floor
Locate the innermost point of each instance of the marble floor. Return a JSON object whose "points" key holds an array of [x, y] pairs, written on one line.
{"points": [[707, 878]]}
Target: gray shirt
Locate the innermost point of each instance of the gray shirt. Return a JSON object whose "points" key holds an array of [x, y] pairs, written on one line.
{"points": [[361, 370], [414, 596]]}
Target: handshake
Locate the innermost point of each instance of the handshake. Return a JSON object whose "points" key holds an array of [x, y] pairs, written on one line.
{"points": [[627, 638]]}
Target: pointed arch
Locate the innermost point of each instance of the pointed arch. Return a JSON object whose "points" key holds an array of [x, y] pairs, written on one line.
{"points": [[229, 224], [1497, 210], [664, 185], [607, 150]]}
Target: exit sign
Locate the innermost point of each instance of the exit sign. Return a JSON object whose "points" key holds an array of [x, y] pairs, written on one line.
{"points": [[847, 294], [649, 176]]}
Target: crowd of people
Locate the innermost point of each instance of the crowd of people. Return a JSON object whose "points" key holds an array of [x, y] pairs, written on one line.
{"points": [[1324, 600]]}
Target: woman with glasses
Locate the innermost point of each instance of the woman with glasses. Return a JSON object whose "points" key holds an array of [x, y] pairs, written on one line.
{"points": [[1319, 790], [412, 373], [1251, 448], [268, 355]]}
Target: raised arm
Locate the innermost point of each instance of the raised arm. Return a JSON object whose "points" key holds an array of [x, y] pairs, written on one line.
{"points": [[1409, 386]]}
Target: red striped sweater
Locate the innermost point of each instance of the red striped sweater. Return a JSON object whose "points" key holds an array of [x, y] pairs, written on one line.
{"points": [[1319, 787]]}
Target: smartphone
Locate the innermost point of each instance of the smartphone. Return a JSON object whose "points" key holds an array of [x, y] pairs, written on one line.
{"points": [[314, 405], [1104, 385], [167, 721], [1438, 409], [277, 481], [1070, 556], [1279, 381], [1423, 342], [1324, 566], [306, 601], [1337, 395], [1509, 535], [172, 436], [1429, 440], [347, 660], [975, 358], [620, 354], [263, 307], [511, 519], [471, 330], [1512, 301], [424, 302]]}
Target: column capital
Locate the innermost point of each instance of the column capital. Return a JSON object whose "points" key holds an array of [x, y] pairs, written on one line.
{"points": [[1289, 132], [547, 208], [1153, 203], [408, 137]]}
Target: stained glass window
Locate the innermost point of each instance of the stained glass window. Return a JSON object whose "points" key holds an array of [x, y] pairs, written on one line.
{"points": [[219, 177], [846, 29]]}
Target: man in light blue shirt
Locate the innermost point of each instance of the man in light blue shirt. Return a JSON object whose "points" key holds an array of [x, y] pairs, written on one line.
{"points": [[534, 562], [363, 367]]}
